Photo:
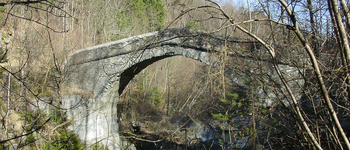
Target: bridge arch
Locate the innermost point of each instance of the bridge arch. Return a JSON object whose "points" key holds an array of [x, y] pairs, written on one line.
{"points": [[93, 69], [96, 76], [128, 74]]}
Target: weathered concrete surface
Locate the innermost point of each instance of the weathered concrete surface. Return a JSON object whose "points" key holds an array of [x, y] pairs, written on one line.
{"points": [[96, 76]]}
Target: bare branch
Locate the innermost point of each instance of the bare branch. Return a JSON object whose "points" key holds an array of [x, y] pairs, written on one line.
{"points": [[22, 2], [15, 137]]}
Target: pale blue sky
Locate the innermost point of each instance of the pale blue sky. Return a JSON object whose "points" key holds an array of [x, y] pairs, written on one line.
{"points": [[236, 2]]}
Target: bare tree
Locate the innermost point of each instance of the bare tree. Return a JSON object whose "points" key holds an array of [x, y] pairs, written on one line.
{"points": [[312, 49]]}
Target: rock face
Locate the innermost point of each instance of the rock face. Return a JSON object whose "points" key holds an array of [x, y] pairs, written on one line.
{"points": [[96, 76]]}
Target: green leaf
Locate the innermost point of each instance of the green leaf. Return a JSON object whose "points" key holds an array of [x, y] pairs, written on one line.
{"points": [[234, 103], [273, 121], [220, 117], [225, 101], [233, 95]]}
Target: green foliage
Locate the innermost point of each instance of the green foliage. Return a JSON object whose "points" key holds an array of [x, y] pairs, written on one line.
{"points": [[225, 101], [60, 141], [3, 107], [35, 118], [123, 21], [139, 6], [157, 98], [273, 121], [220, 140], [263, 111], [221, 117], [149, 12], [233, 95], [3, 56], [159, 9], [2, 8], [97, 146], [239, 104], [42, 84], [247, 81], [63, 141], [57, 117], [2, 14], [193, 25], [249, 131], [4, 147], [30, 139], [2, 70], [232, 103]]}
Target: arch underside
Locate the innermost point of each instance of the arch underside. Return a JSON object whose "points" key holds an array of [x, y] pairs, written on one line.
{"points": [[130, 73], [155, 54]]}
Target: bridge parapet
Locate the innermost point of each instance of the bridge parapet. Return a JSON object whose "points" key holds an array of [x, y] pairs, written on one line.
{"points": [[172, 37]]}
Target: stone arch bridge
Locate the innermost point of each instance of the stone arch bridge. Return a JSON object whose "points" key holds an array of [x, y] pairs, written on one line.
{"points": [[96, 76]]}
